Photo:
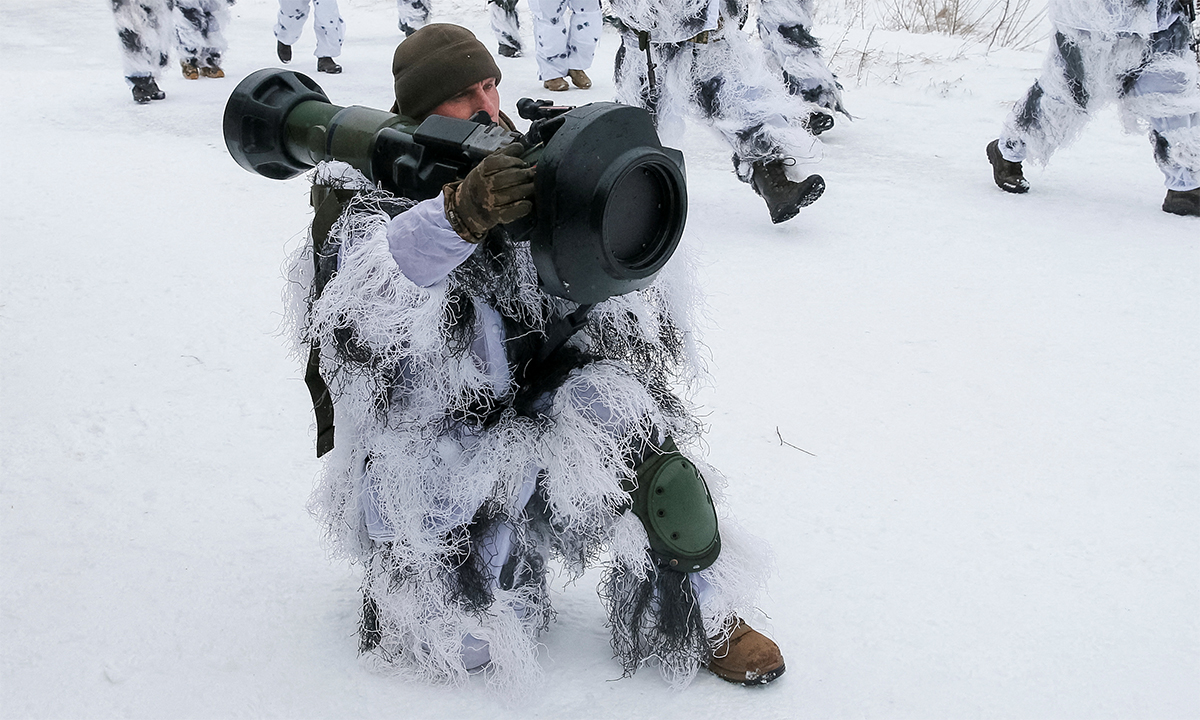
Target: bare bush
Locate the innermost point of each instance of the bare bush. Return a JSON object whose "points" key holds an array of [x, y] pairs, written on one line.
{"points": [[1002, 23], [1016, 26], [952, 17]]}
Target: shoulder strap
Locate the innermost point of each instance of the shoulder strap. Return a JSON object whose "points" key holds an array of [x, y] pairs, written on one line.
{"points": [[328, 203]]}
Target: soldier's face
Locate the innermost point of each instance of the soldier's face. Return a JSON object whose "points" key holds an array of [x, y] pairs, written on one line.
{"points": [[483, 95]]}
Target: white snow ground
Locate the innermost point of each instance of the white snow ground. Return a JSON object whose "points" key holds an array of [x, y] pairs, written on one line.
{"points": [[1000, 395]]}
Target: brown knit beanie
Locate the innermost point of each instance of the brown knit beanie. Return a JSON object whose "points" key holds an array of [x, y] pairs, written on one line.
{"points": [[436, 63]]}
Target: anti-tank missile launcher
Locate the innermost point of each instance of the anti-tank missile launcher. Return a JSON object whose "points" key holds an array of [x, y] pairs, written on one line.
{"points": [[610, 201]]}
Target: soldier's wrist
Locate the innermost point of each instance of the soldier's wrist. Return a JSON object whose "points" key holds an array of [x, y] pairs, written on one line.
{"points": [[457, 223]]}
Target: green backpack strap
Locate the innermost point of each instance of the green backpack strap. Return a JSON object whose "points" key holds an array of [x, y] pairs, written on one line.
{"points": [[328, 203], [674, 504], [322, 402]]}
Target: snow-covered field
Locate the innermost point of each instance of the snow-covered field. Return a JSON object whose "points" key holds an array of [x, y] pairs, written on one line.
{"points": [[995, 514]]}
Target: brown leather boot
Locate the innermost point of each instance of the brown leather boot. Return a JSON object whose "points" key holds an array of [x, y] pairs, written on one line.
{"points": [[580, 79], [556, 84], [190, 71], [748, 657]]}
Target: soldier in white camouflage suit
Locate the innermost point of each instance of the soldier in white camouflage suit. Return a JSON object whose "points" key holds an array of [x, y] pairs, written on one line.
{"points": [[1137, 52], [148, 28], [327, 24], [566, 33], [701, 64], [466, 457]]}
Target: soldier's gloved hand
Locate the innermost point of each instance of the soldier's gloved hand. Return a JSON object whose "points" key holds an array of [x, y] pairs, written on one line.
{"points": [[497, 190]]}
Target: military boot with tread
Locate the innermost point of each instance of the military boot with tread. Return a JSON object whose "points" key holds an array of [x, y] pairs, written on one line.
{"points": [[1008, 175], [145, 89], [1182, 202], [784, 197]]}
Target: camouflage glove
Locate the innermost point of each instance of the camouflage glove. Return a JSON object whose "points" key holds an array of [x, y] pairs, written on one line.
{"points": [[497, 190]]}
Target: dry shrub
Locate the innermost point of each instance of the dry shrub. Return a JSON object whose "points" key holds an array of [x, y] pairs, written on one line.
{"points": [[1016, 24], [952, 17], [1003, 23]]}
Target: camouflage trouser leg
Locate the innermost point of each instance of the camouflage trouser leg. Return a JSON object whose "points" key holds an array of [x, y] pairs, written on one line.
{"points": [[506, 26], [667, 98], [1055, 107], [414, 15], [1165, 90], [144, 28], [566, 33], [1154, 79], [747, 108], [713, 82], [200, 30], [327, 24], [785, 29]]}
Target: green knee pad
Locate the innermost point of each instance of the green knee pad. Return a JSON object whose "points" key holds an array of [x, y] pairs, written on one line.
{"points": [[673, 503]]}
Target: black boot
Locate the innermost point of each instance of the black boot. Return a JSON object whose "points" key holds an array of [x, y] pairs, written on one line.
{"points": [[145, 89], [818, 122], [284, 52], [1008, 175], [508, 50], [327, 65], [784, 197], [1182, 202]]}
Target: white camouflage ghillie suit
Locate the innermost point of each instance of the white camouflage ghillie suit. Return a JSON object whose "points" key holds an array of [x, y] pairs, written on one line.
{"points": [[706, 67], [148, 28], [1135, 52], [785, 27], [328, 25], [452, 492]]}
